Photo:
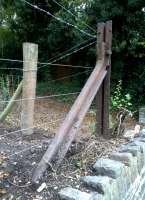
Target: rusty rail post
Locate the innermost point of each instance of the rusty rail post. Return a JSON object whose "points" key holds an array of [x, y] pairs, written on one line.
{"points": [[67, 131], [99, 97], [103, 96], [106, 82]]}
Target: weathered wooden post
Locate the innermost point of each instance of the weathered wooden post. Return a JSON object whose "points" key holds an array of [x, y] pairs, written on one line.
{"points": [[11, 103], [104, 43], [30, 57], [100, 58], [106, 82], [68, 129]]}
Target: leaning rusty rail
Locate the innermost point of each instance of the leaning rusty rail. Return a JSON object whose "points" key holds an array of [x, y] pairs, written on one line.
{"points": [[67, 132]]}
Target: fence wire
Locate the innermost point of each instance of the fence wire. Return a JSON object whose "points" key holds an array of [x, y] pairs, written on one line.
{"points": [[59, 19]]}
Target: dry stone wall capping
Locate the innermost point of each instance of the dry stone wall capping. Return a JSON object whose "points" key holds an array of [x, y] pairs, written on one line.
{"points": [[119, 177]]}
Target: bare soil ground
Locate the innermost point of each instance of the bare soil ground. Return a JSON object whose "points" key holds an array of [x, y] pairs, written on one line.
{"points": [[49, 114], [19, 155]]}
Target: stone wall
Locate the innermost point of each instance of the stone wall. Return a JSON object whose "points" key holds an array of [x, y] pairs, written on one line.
{"points": [[119, 177]]}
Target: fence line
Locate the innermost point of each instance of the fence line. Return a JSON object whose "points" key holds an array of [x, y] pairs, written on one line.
{"points": [[11, 75], [72, 48], [12, 132], [15, 132], [59, 19], [19, 152], [62, 78], [50, 96], [26, 149], [42, 97], [51, 63], [48, 62], [73, 75], [41, 63], [75, 51], [62, 65], [68, 11], [1, 68]]}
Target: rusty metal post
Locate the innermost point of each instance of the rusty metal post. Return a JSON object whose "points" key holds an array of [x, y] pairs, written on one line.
{"points": [[104, 42], [67, 131], [100, 58], [106, 82]]}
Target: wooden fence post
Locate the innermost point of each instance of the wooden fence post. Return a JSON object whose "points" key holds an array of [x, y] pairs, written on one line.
{"points": [[106, 82], [104, 43], [100, 58], [30, 57], [11, 103]]}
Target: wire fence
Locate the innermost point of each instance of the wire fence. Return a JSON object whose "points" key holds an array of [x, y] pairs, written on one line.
{"points": [[51, 124], [53, 60], [74, 16], [59, 19], [14, 119], [49, 115]]}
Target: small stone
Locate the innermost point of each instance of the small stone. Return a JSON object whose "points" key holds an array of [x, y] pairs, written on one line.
{"points": [[42, 187], [14, 163], [99, 183], [33, 163], [140, 144], [32, 150], [142, 134], [141, 139], [74, 194], [107, 167], [126, 158], [134, 150], [129, 134], [38, 198], [55, 188]]}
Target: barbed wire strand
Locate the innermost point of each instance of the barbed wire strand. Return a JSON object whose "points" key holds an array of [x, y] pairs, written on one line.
{"points": [[42, 63], [50, 96], [64, 65], [11, 75], [73, 15], [1, 68], [17, 131], [72, 48], [2, 128], [69, 76], [73, 75], [59, 19], [41, 97], [50, 63], [24, 150], [62, 57]]}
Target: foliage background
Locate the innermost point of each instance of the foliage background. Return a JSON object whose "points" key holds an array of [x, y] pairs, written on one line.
{"points": [[20, 23]]}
